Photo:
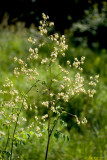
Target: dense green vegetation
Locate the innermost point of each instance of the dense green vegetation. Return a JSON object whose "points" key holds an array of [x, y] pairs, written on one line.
{"points": [[86, 141]]}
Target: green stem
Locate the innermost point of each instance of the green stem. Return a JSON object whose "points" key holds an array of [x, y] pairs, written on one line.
{"points": [[7, 137], [49, 113], [49, 136], [54, 125], [49, 120], [47, 148]]}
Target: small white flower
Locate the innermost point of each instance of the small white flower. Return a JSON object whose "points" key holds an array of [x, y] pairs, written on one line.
{"points": [[68, 62], [84, 121]]}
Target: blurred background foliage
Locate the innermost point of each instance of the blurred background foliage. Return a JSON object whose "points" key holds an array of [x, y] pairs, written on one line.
{"points": [[85, 27]]}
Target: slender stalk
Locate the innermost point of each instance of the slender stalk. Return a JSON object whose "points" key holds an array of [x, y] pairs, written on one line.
{"points": [[49, 113], [58, 74], [47, 148], [49, 120], [51, 131], [7, 137], [49, 136], [69, 113]]}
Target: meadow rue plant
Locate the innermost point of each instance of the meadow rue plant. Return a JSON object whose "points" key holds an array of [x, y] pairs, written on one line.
{"points": [[56, 89]]}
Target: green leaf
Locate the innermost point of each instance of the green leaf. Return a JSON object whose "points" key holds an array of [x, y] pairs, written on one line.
{"points": [[28, 136], [43, 82], [68, 139], [62, 122], [31, 133], [64, 137], [22, 142], [57, 134], [24, 94], [24, 136], [16, 144], [6, 153]]}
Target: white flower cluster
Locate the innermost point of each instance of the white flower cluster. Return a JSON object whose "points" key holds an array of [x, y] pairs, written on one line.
{"points": [[77, 63], [36, 118], [61, 46], [9, 84], [31, 125], [29, 72], [25, 104], [24, 119], [37, 128], [63, 70], [44, 24], [33, 41], [44, 117], [18, 99], [79, 84], [66, 79], [44, 61], [13, 117], [91, 92], [39, 135], [46, 103], [33, 54], [2, 133], [11, 103], [69, 63], [63, 96], [84, 120], [93, 80], [54, 54]]}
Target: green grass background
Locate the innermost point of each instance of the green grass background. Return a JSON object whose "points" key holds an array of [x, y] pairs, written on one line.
{"points": [[86, 141]]}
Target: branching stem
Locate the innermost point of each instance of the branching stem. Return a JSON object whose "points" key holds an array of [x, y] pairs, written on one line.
{"points": [[18, 114]]}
